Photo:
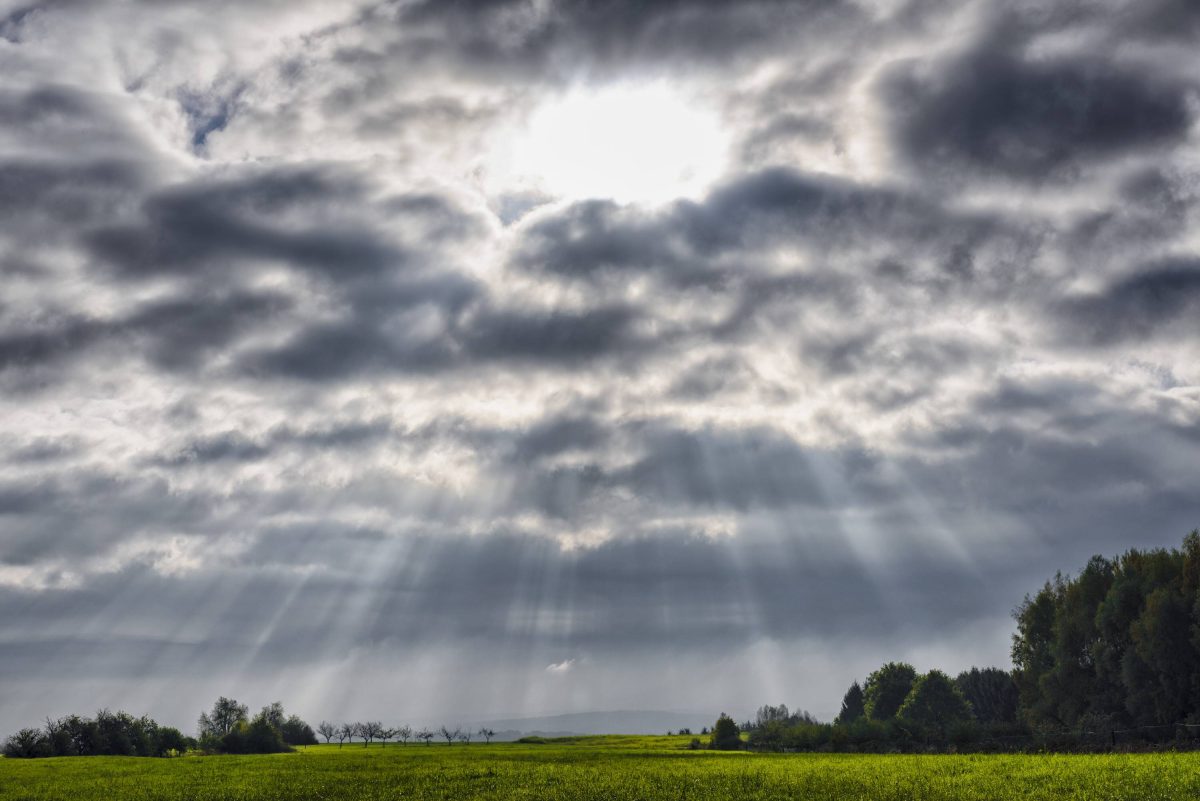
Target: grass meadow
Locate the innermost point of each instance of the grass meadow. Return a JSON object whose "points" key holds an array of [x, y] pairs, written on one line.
{"points": [[600, 768]]}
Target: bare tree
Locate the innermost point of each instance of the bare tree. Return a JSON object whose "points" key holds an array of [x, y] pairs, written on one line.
{"points": [[327, 730], [405, 734], [465, 737], [347, 731], [450, 736], [487, 734], [386, 734], [426, 735], [369, 731]]}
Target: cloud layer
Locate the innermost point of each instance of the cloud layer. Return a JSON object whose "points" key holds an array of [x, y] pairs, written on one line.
{"points": [[293, 386]]}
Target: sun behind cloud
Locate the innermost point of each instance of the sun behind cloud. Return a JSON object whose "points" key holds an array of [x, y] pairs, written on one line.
{"points": [[645, 143]]}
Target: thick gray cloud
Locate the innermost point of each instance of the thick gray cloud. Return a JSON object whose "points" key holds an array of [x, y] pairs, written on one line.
{"points": [[1000, 113], [306, 373]]}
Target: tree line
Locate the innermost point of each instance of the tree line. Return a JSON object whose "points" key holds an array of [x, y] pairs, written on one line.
{"points": [[373, 731], [227, 728], [107, 734], [1108, 658]]}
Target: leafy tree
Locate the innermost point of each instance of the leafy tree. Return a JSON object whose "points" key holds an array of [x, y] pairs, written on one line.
{"points": [[852, 705], [225, 716], [296, 732], [725, 734], [261, 736], [935, 703], [27, 744], [171, 740], [992, 694], [1119, 643], [274, 715], [1033, 654], [886, 690], [770, 714]]}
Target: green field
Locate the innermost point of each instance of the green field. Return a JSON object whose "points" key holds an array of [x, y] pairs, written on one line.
{"points": [[601, 768]]}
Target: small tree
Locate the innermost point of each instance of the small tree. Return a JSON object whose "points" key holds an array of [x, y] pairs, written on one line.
{"points": [[404, 734], [426, 735], [450, 736], [347, 732], [852, 705], [369, 731], [170, 741], [725, 734], [327, 730], [487, 734]]}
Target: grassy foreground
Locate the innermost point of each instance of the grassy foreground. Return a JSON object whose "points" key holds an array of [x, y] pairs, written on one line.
{"points": [[601, 768]]}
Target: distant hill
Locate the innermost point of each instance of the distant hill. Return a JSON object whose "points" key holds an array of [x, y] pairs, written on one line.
{"points": [[619, 722]]}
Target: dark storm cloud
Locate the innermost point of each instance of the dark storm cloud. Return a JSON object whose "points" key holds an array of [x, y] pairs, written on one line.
{"points": [[176, 334], [582, 34], [735, 229], [234, 446], [478, 335], [204, 227], [1018, 116], [1157, 299], [66, 194], [64, 119]]}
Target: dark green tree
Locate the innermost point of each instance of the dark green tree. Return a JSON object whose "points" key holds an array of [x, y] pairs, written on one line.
{"points": [[726, 736], [296, 732], [170, 739], [992, 694], [852, 705], [934, 704], [27, 744], [886, 690]]}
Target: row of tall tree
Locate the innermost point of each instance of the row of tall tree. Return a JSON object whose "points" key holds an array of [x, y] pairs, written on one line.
{"points": [[1118, 645], [107, 734], [1112, 651], [373, 731]]}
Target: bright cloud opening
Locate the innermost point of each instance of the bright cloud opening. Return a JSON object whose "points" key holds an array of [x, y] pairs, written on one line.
{"points": [[633, 143]]}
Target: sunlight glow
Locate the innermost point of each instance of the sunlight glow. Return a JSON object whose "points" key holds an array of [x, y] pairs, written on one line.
{"points": [[633, 143]]}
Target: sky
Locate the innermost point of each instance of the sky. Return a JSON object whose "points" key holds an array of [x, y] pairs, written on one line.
{"points": [[417, 359]]}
